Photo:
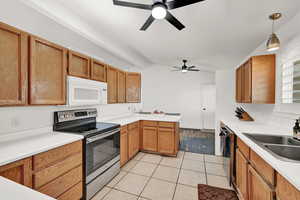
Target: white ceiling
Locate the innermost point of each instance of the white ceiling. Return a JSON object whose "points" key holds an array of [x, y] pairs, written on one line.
{"points": [[218, 33]]}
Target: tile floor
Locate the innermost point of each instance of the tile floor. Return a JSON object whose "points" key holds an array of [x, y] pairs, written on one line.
{"points": [[154, 177]]}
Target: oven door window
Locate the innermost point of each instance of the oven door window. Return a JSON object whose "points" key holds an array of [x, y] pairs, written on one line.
{"points": [[99, 152]]}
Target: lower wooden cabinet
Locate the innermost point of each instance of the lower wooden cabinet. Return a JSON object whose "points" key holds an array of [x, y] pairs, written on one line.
{"points": [[150, 138], [133, 139], [19, 172], [285, 190], [242, 174], [166, 140], [258, 188], [124, 145]]}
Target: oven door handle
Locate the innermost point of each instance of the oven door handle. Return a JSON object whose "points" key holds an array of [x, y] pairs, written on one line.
{"points": [[104, 135]]}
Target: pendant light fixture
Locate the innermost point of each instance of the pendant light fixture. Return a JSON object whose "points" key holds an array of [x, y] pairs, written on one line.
{"points": [[273, 41]]}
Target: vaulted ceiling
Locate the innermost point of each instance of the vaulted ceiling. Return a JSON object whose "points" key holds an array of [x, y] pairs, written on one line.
{"points": [[218, 33]]}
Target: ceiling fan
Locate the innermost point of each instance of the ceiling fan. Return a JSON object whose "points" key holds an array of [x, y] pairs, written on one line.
{"points": [[159, 10], [185, 68]]}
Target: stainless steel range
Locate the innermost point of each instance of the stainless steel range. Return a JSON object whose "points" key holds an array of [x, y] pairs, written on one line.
{"points": [[101, 146]]}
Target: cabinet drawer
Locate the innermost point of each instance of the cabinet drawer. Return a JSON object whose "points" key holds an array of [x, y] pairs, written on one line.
{"points": [[243, 148], [48, 158], [263, 168], [124, 129], [149, 123], [133, 125], [48, 174], [75, 193], [166, 124], [62, 184]]}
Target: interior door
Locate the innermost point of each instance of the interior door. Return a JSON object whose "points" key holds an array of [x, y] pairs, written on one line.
{"points": [[208, 106]]}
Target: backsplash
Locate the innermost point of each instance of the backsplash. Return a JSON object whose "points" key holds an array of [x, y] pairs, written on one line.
{"points": [[14, 119]]}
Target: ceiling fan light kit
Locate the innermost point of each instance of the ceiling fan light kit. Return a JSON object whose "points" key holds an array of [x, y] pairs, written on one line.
{"points": [[159, 10], [185, 68], [273, 42]]}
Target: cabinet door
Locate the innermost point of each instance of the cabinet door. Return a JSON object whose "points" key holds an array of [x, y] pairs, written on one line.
{"points": [[166, 140], [112, 85], [238, 85], [121, 87], [247, 82], [98, 71], [150, 139], [242, 174], [47, 77], [133, 142], [13, 66], [19, 172], [124, 145], [79, 65], [285, 190], [133, 87], [258, 188]]}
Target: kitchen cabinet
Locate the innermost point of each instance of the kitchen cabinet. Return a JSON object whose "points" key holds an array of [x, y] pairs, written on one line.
{"points": [[242, 174], [112, 85], [150, 138], [258, 188], [285, 190], [166, 140], [124, 145], [58, 171], [98, 71], [121, 86], [19, 172], [133, 87], [47, 73], [78, 65], [13, 66], [255, 80], [133, 139]]}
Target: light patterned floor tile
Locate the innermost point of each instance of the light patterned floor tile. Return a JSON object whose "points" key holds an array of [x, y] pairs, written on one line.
{"points": [[215, 169], [139, 156], [159, 190], [143, 168], [191, 178], [171, 162], [180, 154], [113, 182], [195, 165], [166, 173], [194, 156], [184, 192], [152, 158], [214, 159], [132, 183], [101, 193], [128, 166], [218, 181], [118, 195]]}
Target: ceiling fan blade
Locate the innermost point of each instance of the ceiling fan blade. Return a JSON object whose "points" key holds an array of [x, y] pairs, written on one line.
{"points": [[180, 3], [132, 5], [177, 68], [194, 70], [149, 21], [192, 67], [170, 18]]}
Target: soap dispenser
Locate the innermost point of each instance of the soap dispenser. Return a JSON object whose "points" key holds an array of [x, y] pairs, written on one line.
{"points": [[296, 129]]}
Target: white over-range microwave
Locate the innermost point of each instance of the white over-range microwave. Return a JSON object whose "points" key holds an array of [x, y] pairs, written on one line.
{"points": [[86, 92]]}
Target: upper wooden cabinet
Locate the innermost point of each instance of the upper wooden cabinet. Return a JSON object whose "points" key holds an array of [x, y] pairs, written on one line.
{"points": [[255, 80], [47, 77], [112, 85], [121, 86], [98, 71], [13, 66], [79, 65], [133, 87], [19, 172]]}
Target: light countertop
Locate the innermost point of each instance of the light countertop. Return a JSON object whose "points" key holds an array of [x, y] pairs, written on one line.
{"points": [[289, 170], [25, 144], [127, 119], [13, 191]]}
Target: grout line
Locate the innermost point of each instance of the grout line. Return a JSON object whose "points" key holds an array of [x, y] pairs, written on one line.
{"points": [[180, 170], [205, 170]]}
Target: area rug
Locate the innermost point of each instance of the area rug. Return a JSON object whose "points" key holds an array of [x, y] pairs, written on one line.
{"points": [[206, 192]]}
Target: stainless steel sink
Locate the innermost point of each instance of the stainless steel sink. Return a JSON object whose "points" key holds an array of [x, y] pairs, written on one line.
{"points": [[282, 147]]}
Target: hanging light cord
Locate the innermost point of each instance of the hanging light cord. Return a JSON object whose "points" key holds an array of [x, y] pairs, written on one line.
{"points": [[273, 26]]}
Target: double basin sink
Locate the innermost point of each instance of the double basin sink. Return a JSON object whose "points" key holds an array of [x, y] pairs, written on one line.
{"points": [[285, 148]]}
